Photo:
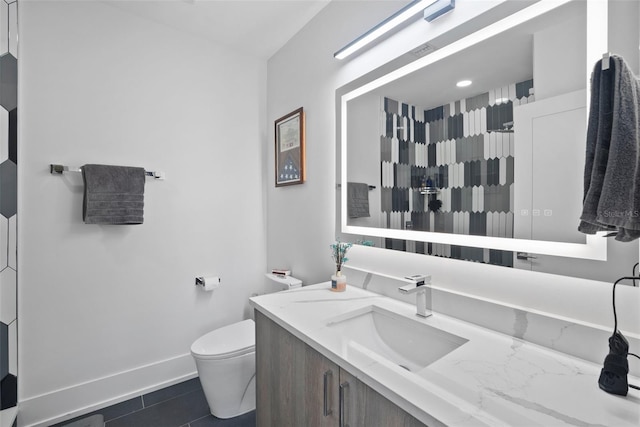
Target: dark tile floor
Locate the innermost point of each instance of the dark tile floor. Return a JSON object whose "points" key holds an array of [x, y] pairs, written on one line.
{"points": [[181, 405]]}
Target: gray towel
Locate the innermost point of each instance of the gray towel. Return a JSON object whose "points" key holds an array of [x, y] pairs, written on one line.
{"points": [[113, 194], [612, 167], [357, 200]]}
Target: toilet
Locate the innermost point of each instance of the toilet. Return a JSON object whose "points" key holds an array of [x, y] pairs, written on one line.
{"points": [[226, 362]]}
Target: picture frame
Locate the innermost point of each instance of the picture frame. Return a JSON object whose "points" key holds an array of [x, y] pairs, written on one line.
{"points": [[290, 166]]}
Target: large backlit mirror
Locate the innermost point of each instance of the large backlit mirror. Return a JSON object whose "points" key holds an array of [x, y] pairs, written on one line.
{"points": [[489, 172]]}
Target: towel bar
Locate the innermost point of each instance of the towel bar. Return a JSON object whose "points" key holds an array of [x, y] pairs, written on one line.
{"points": [[59, 169], [371, 187]]}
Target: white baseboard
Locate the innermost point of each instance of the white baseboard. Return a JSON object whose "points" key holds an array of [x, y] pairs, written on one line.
{"points": [[70, 402]]}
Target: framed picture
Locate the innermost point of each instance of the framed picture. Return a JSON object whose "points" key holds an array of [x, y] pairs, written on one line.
{"points": [[290, 153]]}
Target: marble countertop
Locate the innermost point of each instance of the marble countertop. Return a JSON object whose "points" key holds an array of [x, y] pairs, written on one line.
{"points": [[492, 379]]}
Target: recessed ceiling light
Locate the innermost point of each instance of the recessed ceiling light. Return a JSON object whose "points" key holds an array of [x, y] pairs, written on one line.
{"points": [[463, 83]]}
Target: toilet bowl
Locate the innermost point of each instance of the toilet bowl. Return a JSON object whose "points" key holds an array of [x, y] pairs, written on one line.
{"points": [[226, 363]]}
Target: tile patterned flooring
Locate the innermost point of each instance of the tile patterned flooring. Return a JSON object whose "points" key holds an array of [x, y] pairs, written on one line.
{"points": [[180, 405]]}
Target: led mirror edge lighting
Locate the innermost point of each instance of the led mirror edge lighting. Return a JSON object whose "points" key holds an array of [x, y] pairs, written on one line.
{"points": [[343, 163], [383, 27], [596, 245], [597, 40]]}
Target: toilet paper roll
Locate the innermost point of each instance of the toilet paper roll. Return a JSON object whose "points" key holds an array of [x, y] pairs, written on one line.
{"points": [[210, 283]]}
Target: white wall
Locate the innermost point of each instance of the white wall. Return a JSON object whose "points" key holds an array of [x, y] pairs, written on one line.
{"points": [[106, 312], [625, 14], [555, 74], [304, 74]]}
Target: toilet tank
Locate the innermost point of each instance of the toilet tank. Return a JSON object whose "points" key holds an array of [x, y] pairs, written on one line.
{"points": [[282, 283], [274, 283]]}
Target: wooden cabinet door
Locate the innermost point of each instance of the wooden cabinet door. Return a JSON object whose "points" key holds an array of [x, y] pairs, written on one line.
{"points": [[278, 370], [362, 406], [321, 390], [292, 380]]}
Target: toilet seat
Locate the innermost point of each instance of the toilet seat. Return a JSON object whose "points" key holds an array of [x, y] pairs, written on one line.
{"points": [[226, 342]]}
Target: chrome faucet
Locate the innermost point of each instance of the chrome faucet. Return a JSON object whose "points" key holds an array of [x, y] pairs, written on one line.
{"points": [[420, 286]]}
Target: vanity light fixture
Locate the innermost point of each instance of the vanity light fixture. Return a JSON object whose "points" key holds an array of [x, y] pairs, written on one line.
{"points": [[435, 8], [464, 83]]}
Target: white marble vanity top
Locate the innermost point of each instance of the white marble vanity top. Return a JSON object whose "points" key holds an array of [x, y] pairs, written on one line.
{"points": [[493, 379]]}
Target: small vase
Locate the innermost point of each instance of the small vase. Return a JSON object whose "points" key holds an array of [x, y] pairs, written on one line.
{"points": [[338, 282]]}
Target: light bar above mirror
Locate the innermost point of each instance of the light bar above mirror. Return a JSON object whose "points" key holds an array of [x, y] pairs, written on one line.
{"points": [[432, 9]]}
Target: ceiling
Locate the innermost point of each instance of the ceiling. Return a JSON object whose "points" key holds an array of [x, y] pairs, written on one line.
{"points": [[255, 27]]}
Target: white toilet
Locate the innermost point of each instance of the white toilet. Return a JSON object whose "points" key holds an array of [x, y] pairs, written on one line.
{"points": [[226, 362]]}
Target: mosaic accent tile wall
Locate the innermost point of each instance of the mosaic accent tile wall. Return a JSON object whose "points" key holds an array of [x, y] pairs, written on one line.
{"points": [[465, 150], [8, 202]]}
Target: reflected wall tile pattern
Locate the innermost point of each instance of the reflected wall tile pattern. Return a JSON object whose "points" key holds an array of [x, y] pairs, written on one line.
{"points": [[465, 148], [8, 203]]}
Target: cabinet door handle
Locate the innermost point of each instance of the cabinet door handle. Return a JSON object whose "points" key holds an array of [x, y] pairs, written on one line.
{"points": [[342, 421], [327, 410]]}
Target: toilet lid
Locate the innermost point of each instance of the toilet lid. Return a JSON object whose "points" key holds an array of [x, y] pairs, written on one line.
{"points": [[231, 340]]}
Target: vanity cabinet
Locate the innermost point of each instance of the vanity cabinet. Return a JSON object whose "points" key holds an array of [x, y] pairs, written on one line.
{"points": [[297, 386]]}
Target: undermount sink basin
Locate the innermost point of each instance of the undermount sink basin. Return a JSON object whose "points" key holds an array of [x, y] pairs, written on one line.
{"points": [[403, 341]]}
